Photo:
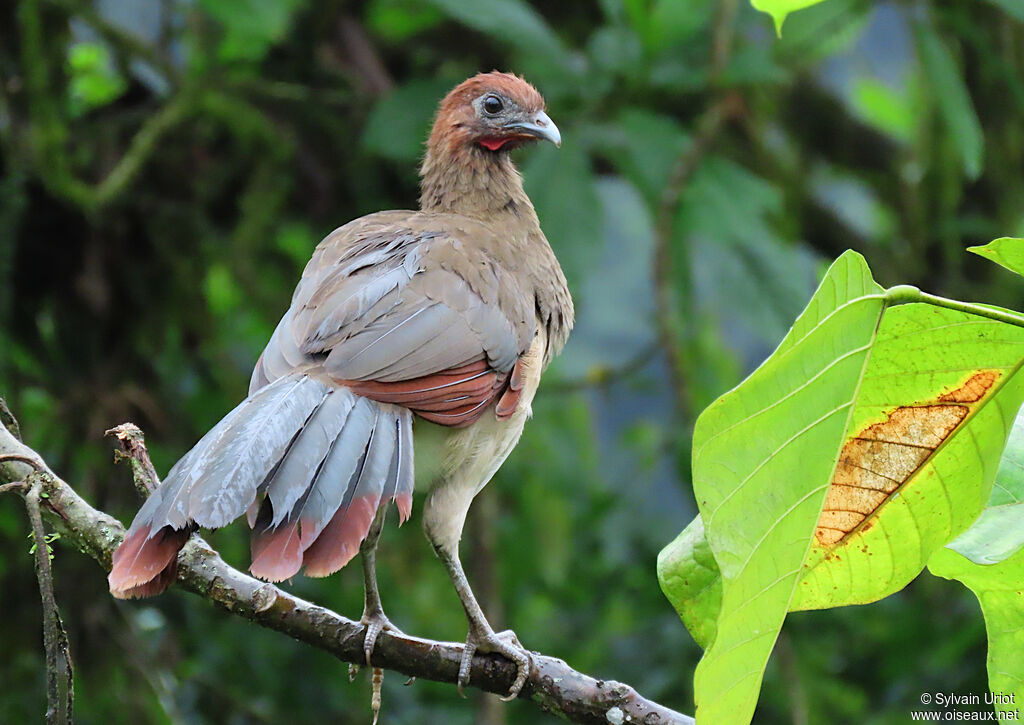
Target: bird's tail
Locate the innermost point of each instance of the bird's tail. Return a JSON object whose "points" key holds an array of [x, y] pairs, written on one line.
{"points": [[309, 462]]}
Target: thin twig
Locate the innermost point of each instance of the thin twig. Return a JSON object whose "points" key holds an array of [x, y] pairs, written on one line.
{"points": [[361, 59], [552, 684], [19, 486], [60, 689], [133, 448], [722, 35], [19, 458], [8, 421]]}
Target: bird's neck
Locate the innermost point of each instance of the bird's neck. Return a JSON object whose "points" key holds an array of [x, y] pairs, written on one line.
{"points": [[473, 182]]}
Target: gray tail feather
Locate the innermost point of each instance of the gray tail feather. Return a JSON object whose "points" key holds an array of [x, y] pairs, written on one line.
{"points": [[319, 520], [314, 453]]}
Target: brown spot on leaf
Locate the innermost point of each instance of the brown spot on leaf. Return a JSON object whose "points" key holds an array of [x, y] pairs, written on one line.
{"points": [[973, 390], [877, 461]]}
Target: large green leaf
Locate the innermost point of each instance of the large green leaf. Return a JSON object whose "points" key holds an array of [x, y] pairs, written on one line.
{"points": [[869, 439], [759, 490], [929, 505], [1000, 591], [1005, 251], [921, 454]]}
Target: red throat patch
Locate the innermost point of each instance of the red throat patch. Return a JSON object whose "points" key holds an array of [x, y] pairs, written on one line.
{"points": [[493, 143]]}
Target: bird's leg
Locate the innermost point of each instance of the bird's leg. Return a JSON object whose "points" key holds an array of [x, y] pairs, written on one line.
{"points": [[373, 613], [481, 636]]}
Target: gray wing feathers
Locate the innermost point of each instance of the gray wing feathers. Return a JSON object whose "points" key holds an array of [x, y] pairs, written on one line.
{"points": [[281, 356], [389, 303]]}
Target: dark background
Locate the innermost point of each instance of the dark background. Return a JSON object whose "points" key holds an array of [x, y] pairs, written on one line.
{"points": [[166, 168]]}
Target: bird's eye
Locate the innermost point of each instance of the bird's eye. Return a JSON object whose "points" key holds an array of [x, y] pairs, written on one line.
{"points": [[493, 105]]}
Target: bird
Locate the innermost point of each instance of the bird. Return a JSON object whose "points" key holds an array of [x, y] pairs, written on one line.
{"points": [[408, 358]]}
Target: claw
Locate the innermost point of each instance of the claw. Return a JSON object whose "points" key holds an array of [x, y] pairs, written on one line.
{"points": [[465, 665], [375, 623], [505, 643]]}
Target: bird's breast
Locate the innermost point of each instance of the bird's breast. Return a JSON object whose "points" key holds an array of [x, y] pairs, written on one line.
{"points": [[469, 457]]}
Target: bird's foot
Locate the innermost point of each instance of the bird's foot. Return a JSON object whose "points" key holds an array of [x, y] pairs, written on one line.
{"points": [[504, 643], [376, 623]]}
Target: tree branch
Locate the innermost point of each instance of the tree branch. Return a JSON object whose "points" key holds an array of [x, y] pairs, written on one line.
{"points": [[553, 685], [60, 690]]}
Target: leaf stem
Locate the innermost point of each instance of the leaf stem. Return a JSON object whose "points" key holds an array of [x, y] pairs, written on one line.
{"points": [[907, 293]]}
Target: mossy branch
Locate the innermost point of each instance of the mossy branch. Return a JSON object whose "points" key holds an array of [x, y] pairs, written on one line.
{"points": [[553, 685]]}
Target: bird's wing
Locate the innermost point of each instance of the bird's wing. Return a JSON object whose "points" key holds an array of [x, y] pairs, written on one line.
{"points": [[409, 308]]}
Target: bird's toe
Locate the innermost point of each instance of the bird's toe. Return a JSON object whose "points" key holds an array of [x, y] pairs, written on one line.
{"points": [[504, 643], [375, 623]]}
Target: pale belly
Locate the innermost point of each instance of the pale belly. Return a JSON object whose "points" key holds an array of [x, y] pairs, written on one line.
{"points": [[455, 464]]}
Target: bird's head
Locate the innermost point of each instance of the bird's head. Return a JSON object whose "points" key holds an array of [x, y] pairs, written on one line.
{"points": [[493, 112]]}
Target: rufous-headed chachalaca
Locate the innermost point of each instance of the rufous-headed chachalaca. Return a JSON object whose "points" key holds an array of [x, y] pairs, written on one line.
{"points": [[410, 331]]}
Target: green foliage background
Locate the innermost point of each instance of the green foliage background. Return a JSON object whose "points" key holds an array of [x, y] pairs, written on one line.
{"points": [[167, 167]]}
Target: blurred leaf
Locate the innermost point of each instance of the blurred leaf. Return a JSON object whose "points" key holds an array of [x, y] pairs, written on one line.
{"points": [[645, 147], [222, 292], [779, 9], [562, 186], [953, 98], [1000, 591], [613, 294], [744, 275], [1005, 251], [884, 108], [508, 21], [854, 202], [399, 20], [400, 122], [754, 64], [250, 26], [673, 22], [822, 31], [297, 240], [689, 577], [94, 82], [1015, 8], [616, 49]]}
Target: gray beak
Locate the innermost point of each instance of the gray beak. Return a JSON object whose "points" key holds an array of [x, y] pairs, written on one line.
{"points": [[541, 126]]}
